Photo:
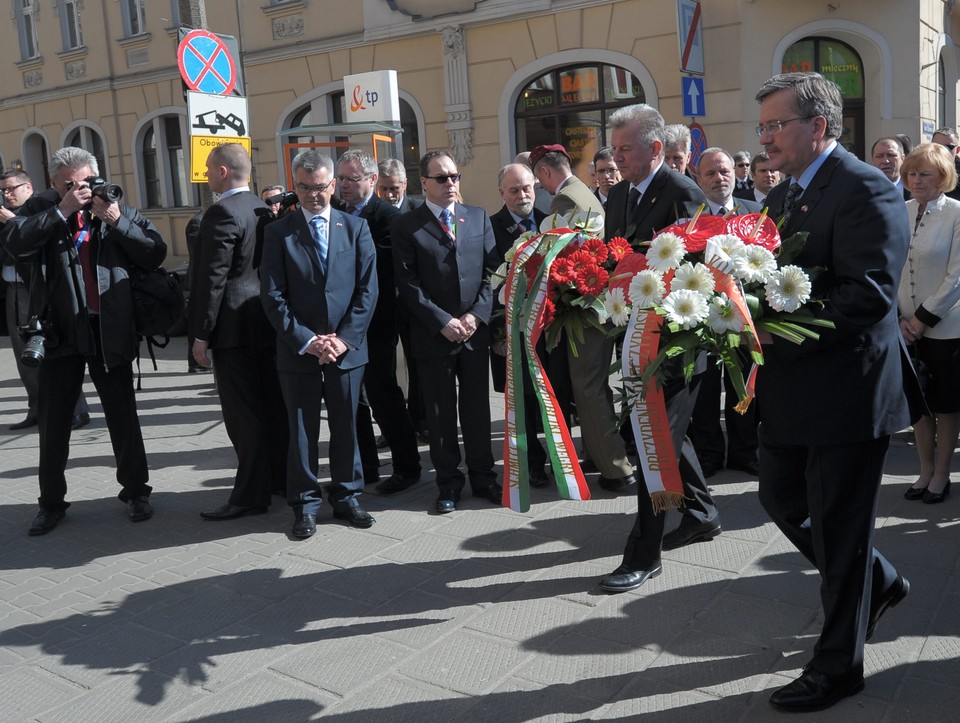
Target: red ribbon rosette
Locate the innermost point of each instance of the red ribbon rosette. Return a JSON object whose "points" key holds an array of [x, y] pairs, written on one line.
{"points": [[746, 227]]}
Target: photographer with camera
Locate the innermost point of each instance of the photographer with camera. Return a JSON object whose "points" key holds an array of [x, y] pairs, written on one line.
{"points": [[84, 243]]}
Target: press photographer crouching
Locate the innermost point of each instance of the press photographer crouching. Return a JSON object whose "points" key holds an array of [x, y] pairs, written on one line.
{"points": [[82, 243]]}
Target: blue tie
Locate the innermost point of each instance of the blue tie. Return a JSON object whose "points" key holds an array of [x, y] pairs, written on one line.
{"points": [[319, 231], [527, 224], [446, 220]]}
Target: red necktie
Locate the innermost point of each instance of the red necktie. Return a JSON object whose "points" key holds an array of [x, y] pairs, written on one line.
{"points": [[81, 237]]}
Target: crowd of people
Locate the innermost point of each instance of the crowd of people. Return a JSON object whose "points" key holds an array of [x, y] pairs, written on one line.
{"points": [[301, 301]]}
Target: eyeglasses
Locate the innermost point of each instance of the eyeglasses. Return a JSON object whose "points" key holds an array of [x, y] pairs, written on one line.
{"points": [[774, 127], [444, 178], [11, 189], [309, 190], [948, 146], [352, 179]]}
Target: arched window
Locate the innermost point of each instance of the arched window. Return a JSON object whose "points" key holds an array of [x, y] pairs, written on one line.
{"points": [[36, 156], [570, 105], [89, 139], [836, 61], [941, 92], [163, 175]]}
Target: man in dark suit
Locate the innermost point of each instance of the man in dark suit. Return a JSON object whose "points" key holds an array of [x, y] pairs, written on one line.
{"points": [[831, 404], [392, 185], [516, 217], [607, 173], [443, 253], [226, 318], [700, 521], [319, 291], [764, 178], [887, 155], [741, 167], [356, 181], [647, 200]]}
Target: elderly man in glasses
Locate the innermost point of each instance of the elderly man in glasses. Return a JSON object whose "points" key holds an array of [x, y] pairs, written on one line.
{"points": [[441, 254]]}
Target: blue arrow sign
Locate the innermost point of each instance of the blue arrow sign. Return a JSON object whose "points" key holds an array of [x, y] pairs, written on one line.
{"points": [[694, 104]]}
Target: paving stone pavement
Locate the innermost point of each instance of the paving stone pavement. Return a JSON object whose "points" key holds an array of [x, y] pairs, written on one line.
{"points": [[480, 615]]}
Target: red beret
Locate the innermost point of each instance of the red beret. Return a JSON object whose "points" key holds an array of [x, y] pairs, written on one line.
{"points": [[540, 151]]}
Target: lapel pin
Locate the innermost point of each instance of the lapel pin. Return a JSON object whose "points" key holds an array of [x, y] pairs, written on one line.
{"points": [[339, 224]]}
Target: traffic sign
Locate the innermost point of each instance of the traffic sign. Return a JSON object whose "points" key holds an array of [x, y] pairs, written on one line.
{"points": [[694, 104], [206, 64], [698, 144], [690, 34], [217, 114], [200, 147]]}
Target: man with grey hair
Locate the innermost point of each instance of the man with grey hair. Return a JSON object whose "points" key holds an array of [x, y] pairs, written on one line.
{"points": [[271, 195], [830, 404], [649, 198], [228, 320], [676, 148], [392, 185], [741, 166], [318, 287], [356, 181], [88, 246]]}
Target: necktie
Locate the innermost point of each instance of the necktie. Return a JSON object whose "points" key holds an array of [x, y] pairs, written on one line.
{"points": [[446, 220], [790, 202], [81, 237], [318, 229], [527, 224], [633, 198]]}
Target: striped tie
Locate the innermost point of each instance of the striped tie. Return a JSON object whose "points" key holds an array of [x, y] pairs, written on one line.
{"points": [[319, 231]]}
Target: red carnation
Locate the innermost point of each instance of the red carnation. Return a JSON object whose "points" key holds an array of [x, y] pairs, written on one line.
{"points": [[618, 247]]}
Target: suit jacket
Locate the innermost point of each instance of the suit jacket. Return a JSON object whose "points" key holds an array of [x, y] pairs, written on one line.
{"points": [[741, 207], [301, 301], [378, 214], [438, 280], [408, 203], [575, 196], [848, 385], [225, 305], [660, 206], [749, 195]]}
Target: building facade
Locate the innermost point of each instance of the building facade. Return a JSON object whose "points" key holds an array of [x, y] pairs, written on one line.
{"points": [[483, 78]]}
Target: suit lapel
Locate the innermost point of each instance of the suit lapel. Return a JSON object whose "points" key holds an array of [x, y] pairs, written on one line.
{"points": [[812, 194], [650, 196], [336, 239], [305, 239]]}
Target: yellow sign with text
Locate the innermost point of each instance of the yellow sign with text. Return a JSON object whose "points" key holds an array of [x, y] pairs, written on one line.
{"points": [[200, 147]]}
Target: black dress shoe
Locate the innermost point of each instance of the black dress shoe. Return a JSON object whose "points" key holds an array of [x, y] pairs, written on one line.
{"points": [[304, 525], [890, 598], [45, 521], [538, 478], [814, 690], [751, 467], [139, 509], [709, 469], [690, 533], [351, 511], [623, 579], [932, 498], [396, 483], [492, 492], [80, 421], [588, 466], [231, 512], [29, 421], [447, 501], [619, 484], [915, 493]]}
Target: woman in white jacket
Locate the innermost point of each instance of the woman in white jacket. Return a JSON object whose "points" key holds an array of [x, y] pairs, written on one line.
{"points": [[930, 314]]}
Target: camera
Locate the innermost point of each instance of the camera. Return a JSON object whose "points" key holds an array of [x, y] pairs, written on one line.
{"points": [[109, 192], [285, 200], [37, 334]]}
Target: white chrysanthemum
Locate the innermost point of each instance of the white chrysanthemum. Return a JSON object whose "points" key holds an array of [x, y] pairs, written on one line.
{"points": [[723, 315], [788, 289], [753, 263], [695, 277], [616, 307], [727, 242], [685, 308], [666, 252], [499, 276], [554, 220], [647, 289], [589, 221]]}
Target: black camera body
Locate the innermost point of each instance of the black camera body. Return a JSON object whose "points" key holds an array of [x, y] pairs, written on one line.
{"points": [[286, 200], [109, 192], [38, 335]]}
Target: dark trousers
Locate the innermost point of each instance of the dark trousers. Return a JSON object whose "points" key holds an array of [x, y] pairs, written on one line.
{"points": [[60, 381], [339, 390], [837, 487], [387, 404], [414, 397], [642, 551], [255, 420], [439, 379], [705, 431]]}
